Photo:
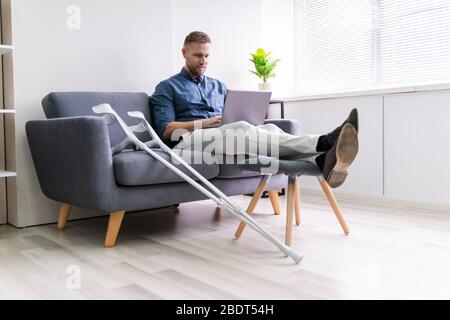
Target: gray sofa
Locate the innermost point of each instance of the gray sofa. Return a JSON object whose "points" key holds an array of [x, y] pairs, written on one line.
{"points": [[71, 151]]}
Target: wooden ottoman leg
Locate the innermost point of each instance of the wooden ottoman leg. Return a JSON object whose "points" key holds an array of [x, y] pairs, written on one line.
{"points": [[297, 200], [275, 200], [334, 205], [290, 209]]}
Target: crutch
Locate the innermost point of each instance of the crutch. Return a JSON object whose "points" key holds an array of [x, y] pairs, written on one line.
{"points": [[214, 193]]}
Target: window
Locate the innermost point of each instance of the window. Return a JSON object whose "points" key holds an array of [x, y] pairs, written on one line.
{"points": [[364, 44]]}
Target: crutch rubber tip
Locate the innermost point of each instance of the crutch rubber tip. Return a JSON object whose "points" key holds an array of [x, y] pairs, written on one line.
{"points": [[297, 260]]}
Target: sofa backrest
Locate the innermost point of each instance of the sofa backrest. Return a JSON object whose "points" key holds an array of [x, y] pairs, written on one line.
{"points": [[74, 104]]}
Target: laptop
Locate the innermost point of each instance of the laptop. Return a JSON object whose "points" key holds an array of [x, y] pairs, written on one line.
{"points": [[250, 106]]}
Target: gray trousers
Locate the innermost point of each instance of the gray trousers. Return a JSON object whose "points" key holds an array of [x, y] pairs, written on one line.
{"points": [[243, 138]]}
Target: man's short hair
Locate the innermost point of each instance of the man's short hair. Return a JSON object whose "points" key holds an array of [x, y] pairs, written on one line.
{"points": [[196, 36]]}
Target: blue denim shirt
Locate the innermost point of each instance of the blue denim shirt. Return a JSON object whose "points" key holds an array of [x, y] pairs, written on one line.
{"points": [[182, 98]]}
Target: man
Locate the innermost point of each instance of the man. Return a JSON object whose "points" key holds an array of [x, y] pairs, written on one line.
{"points": [[190, 101]]}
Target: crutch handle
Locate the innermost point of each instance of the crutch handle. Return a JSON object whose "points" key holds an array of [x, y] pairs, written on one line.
{"points": [[136, 114], [103, 108]]}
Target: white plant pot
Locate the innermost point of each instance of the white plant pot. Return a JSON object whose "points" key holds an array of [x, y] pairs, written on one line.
{"points": [[265, 86]]}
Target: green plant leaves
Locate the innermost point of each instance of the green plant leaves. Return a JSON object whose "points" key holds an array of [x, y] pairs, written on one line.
{"points": [[264, 66], [256, 73]]}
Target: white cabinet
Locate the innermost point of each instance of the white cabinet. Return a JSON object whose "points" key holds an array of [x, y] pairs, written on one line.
{"points": [[6, 114], [417, 153]]}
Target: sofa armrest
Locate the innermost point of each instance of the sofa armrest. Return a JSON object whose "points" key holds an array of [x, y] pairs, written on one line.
{"points": [[73, 160], [287, 125]]}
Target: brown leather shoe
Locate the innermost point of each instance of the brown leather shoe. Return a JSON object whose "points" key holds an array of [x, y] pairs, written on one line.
{"points": [[339, 158], [327, 141], [353, 118]]}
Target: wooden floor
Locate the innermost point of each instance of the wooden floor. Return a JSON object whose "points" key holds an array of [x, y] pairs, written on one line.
{"points": [[190, 253]]}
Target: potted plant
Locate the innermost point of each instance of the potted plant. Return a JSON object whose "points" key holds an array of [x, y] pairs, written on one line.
{"points": [[264, 67]]}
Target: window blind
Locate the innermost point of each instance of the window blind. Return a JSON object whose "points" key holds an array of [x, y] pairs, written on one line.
{"points": [[414, 41], [363, 44]]}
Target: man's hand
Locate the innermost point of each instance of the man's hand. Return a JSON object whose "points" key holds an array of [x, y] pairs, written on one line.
{"points": [[211, 121]]}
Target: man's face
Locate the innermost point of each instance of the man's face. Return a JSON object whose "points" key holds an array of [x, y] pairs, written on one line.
{"points": [[196, 56]]}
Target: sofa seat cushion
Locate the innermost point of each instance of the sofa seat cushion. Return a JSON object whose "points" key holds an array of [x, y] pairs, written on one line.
{"points": [[229, 168], [137, 168]]}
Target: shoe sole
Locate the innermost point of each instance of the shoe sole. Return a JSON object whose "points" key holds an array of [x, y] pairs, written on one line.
{"points": [[346, 151]]}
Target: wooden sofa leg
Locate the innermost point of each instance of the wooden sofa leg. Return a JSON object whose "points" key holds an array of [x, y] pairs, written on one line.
{"points": [[275, 200], [115, 220], [290, 209], [251, 207], [334, 205], [64, 212], [297, 201]]}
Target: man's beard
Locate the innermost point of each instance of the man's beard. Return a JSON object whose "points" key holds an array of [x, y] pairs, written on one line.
{"points": [[194, 71]]}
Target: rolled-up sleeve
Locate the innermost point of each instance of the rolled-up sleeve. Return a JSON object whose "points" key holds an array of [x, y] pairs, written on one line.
{"points": [[163, 108]]}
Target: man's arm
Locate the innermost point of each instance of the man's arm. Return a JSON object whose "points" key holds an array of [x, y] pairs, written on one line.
{"points": [[163, 108]]}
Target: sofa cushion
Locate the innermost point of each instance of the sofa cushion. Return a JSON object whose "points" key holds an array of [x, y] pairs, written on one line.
{"points": [[137, 168]]}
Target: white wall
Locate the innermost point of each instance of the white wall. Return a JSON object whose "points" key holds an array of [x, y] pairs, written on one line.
{"points": [[238, 28], [121, 46], [277, 35], [417, 153], [234, 28]]}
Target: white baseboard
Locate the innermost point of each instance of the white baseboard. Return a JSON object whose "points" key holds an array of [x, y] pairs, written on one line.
{"points": [[378, 201]]}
